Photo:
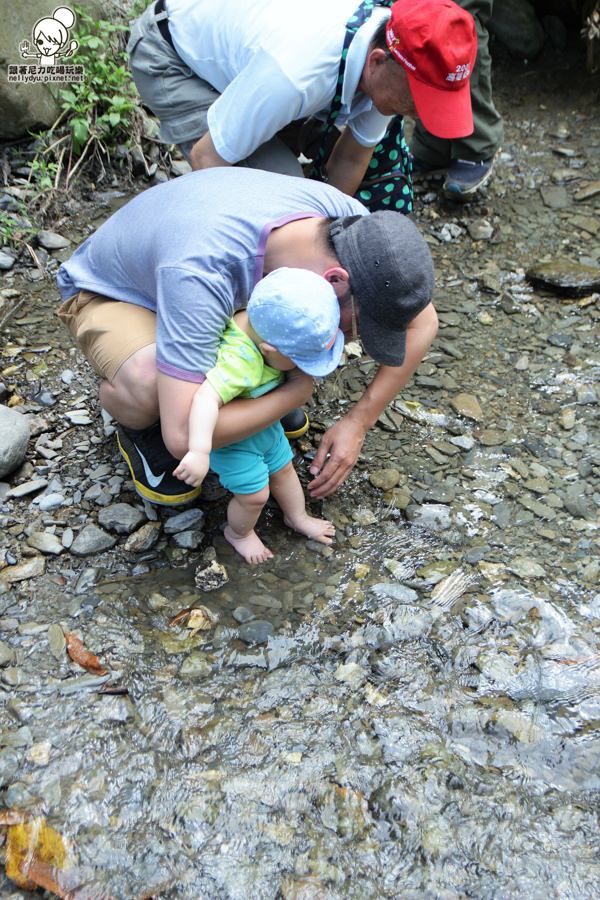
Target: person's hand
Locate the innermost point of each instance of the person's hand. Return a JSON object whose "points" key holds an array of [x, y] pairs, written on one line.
{"points": [[193, 468], [343, 443]]}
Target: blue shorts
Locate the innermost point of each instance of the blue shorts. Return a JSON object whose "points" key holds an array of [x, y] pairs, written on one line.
{"points": [[245, 467]]}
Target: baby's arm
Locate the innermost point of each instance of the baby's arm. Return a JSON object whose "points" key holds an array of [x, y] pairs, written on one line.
{"points": [[203, 418]]}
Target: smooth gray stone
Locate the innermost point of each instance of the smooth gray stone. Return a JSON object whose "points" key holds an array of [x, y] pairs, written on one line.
{"points": [[7, 261], [49, 240], [14, 435], [183, 521], [92, 540]]}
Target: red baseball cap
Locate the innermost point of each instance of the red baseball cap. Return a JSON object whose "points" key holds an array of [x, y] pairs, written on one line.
{"points": [[435, 42]]}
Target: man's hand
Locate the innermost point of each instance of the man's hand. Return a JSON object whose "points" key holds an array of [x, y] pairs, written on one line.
{"points": [[193, 468], [343, 443]]}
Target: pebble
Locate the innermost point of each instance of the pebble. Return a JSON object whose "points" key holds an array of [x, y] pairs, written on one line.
{"points": [[49, 240], [14, 437], [211, 577], [30, 568], [45, 542], [256, 631], [567, 418], [67, 538], [480, 229], [195, 665], [121, 518], [385, 479], [467, 405], [180, 167], [183, 521], [362, 516], [7, 261], [92, 540], [399, 592]]}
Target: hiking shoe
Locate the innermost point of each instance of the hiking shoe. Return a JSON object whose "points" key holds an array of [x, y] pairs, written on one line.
{"points": [[465, 178], [295, 424], [421, 170], [151, 466]]}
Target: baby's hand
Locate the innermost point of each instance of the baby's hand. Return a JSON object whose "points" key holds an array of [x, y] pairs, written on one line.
{"points": [[193, 468]]}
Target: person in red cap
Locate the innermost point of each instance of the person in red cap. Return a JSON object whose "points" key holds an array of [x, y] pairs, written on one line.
{"points": [[238, 89], [467, 161]]}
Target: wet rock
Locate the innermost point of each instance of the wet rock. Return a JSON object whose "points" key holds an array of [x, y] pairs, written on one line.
{"points": [[188, 540], [242, 614], [30, 568], [468, 406], [196, 665], [587, 192], [527, 568], [567, 418], [121, 518], [555, 196], [480, 229], [491, 437], [7, 261], [516, 25], [385, 479], [56, 641], [432, 516], [14, 436], [46, 543], [363, 516], [393, 591], [350, 673], [114, 709], [145, 538], [92, 540], [211, 576], [255, 632], [565, 277], [184, 521], [7, 654], [49, 240]]}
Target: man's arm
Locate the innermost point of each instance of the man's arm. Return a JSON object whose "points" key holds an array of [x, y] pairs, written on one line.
{"points": [[348, 163], [237, 420], [203, 154], [343, 441]]}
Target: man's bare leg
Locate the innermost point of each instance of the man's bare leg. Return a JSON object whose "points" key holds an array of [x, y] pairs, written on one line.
{"points": [[132, 397], [287, 490], [242, 515]]}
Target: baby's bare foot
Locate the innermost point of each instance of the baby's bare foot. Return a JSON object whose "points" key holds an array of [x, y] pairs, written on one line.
{"points": [[317, 529], [250, 546]]}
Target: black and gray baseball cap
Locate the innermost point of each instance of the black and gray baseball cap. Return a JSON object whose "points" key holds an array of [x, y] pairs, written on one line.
{"points": [[391, 277]]}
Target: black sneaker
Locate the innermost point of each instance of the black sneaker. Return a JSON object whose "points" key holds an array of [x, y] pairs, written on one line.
{"points": [[151, 466], [295, 423], [465, 178]]}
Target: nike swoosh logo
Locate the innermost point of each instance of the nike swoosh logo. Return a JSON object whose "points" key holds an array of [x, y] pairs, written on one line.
{"points": [[152, 479]]}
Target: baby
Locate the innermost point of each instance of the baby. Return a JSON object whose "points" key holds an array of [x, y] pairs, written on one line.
{"points": [[292, 319]]}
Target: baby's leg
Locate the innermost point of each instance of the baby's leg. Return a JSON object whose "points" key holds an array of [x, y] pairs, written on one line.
{"points": [[287, 490], [242, 515]]}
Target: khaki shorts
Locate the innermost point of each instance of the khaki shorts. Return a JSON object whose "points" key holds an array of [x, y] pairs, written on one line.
{"points": [[107, 331]]}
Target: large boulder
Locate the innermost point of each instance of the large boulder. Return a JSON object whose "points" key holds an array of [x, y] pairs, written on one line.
{"points": [[516, 25], [14, 435], [27, 106]]}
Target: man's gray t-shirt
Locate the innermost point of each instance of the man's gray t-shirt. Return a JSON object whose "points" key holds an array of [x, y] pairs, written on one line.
{"points": [[192, 250]]}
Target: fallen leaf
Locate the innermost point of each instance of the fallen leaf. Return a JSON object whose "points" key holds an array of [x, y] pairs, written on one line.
{"points": [[179, 617], [13, 817], [84, 658]]}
